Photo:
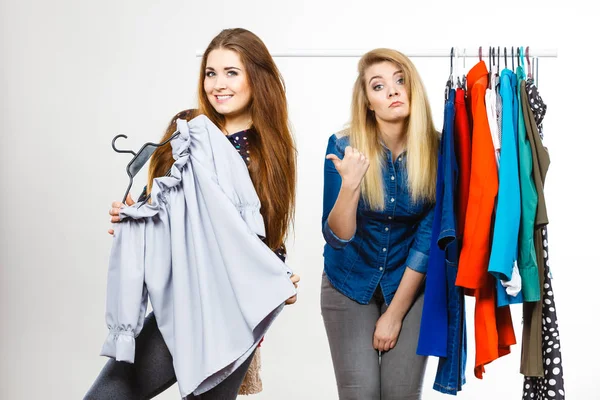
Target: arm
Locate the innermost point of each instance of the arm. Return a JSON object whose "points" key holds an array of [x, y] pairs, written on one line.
{"points": [[389, 324], [341, 193]]}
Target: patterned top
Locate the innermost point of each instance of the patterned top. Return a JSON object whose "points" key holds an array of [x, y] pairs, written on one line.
{"points": [[537, 104]]}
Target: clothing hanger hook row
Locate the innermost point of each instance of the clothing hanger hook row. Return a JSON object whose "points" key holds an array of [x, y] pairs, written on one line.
{"points": [[115, 147]]}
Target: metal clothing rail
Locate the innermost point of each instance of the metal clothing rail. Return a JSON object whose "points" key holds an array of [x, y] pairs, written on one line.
{"points": [[425, 53]]}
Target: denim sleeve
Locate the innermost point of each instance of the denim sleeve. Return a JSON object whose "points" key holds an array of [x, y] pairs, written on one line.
{"points": [[332, 182], [418, 255]]}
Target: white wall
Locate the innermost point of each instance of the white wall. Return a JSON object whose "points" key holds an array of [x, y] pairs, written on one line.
{"points": [[75, 73]]}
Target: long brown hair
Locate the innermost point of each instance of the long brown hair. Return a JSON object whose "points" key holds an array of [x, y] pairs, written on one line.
{"points": [[422, 138], [273, 161]]}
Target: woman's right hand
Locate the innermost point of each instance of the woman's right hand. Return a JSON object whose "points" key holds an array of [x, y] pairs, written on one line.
{"points": [[115, 210], [352, 168]]}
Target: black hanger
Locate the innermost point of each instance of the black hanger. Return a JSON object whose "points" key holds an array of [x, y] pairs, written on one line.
{"points": [[512, 55], [463, 80], [498, 60], [479, 53], [140, 158], [505, 62], [490, 67], [449, 82], [528, 63], [518, 56]]}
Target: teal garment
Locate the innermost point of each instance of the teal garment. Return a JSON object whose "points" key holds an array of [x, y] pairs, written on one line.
{"points": [[527, 262], [508, 210]]}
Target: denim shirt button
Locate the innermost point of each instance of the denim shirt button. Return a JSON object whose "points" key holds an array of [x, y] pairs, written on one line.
{"points": [[381, 268]]}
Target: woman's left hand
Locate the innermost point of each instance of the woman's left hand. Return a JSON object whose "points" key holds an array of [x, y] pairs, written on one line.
{"points": [[387, 329], [295, 279]]}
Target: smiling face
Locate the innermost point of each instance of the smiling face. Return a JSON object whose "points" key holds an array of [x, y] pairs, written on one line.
{"points": [[226, 83], [386, 92]]}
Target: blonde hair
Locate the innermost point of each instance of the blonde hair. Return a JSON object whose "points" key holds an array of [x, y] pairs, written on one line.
{"points": [[422, 140]]}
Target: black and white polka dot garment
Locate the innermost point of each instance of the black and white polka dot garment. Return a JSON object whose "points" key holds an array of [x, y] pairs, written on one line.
{"points": [[536, 103], [551, 385], [239, 140]]}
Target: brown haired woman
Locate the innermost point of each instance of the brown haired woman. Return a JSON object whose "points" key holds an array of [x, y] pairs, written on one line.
{"points": [[242, 92]]}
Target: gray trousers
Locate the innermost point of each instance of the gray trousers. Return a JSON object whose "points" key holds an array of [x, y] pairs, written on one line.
{"points": [[152, 373], [359, 371]]}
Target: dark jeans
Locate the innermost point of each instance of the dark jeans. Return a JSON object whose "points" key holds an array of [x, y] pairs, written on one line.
{"points": [[152, 373]]}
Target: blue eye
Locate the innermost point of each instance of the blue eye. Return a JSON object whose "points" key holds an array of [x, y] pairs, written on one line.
{"points": [[378, 87], [400, 81], [232, 73]]}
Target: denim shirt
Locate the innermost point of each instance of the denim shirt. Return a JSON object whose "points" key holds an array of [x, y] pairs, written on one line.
{"points": [[385, 241]]}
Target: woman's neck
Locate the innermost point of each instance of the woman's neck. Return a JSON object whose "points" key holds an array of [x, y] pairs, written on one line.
{"points": [[237, 123], [393, 135]]}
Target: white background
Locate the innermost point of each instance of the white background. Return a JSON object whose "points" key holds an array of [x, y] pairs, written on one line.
{"points": [[76, 73]]}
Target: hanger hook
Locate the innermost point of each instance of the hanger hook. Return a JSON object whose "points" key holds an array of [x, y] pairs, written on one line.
{"points": [[498, 58], [479, 53], [505, 62], [120, 151], [451, 60], [518, 56], [512, 56], [528, 62]]}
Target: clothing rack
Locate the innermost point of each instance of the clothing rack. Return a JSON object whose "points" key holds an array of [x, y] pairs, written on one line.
{"points": [[425, 53]]}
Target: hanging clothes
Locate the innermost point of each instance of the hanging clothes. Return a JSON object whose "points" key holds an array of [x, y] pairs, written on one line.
{"points": [[528, 267], [462, 145], [442, 322], [508, 211], [531, 357], [205, 300], [538, 107], [494, 332], [551, 385], [483, 188]]}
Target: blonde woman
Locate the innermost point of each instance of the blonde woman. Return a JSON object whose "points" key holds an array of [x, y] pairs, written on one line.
{"points": [[379, 195]]}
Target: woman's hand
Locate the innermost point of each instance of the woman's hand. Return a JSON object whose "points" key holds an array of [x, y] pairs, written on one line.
{"points": [[295, 279], [115, 210], [386, 333], [352, 168]]}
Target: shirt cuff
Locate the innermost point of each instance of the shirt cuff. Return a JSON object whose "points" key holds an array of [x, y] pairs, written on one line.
{"points": [[120, 346], [332, 239], [417, 261]]}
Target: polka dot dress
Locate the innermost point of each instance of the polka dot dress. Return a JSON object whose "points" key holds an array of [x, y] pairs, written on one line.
{"points": [[537, 104], [551, 385]]}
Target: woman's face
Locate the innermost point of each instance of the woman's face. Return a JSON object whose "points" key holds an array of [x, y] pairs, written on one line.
{"points": [[226, 83], [386, 92]]}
